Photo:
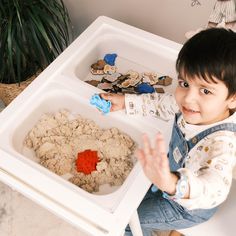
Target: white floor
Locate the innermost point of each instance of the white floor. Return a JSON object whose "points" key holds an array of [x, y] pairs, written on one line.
{"points": [[19, 216]]}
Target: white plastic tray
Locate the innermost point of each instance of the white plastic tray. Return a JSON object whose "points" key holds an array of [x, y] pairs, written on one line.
{"points": [[62, 85]]}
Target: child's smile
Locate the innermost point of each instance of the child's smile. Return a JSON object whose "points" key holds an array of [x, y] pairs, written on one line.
{"points": [[189, 111]]}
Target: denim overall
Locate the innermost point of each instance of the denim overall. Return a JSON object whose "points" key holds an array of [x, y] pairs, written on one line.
{"points": [[158, 213]]}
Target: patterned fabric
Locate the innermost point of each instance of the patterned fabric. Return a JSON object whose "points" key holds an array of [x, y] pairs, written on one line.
{"points": [[162, 106], [203, 163], [209, 164]]}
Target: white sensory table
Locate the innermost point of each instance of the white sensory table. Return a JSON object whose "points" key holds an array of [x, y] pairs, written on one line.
{"points": [[61, 85]]}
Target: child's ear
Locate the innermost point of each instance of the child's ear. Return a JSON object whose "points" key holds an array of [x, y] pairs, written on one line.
{"points": [[232, 102]]}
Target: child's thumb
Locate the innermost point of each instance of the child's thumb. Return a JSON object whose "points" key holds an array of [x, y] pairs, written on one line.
{"points": [[105, 96]]}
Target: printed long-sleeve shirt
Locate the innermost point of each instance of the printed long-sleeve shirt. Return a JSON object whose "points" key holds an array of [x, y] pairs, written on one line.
{"points": [[209, 165]]}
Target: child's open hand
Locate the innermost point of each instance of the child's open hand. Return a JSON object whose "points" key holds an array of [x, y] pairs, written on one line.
{"points": [[155, 164], [117, 100]]}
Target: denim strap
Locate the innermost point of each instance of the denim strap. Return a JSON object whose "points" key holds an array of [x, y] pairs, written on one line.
{"points": [[225, 126]]}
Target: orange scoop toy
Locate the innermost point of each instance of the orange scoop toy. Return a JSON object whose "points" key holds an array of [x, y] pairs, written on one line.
{"points": [[87, 161]]}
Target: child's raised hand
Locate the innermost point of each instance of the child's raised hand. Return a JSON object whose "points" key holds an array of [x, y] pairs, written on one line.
{"points": [[117, 100], [155, 164]]}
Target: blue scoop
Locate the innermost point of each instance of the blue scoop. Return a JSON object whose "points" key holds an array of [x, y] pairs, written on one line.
{"points": [[101, 104]]}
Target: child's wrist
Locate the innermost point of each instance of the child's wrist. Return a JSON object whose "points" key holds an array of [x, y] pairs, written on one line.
{"points": [[171, 189], [181, 188]]}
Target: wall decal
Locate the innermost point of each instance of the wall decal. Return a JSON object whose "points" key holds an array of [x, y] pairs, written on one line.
{"points": [[195, 3]]}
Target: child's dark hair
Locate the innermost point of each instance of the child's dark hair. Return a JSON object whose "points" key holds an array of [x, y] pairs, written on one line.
{"points": [[208, 54]]}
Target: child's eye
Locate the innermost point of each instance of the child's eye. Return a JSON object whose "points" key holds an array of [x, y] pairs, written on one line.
{"points": [[205, 91], [183, 84]]}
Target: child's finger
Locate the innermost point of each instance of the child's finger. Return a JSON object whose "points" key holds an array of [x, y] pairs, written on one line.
{"points": [[161, 149], [141, 157], [105, 96], [147, 149], [160, 143], [113, 108]]}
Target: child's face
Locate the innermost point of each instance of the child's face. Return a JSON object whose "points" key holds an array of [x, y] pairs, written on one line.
{"points": [[202, 102]]}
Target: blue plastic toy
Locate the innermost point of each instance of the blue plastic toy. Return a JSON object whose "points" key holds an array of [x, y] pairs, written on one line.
{"points": [[103, 105], [110, 59], [145, 88]]}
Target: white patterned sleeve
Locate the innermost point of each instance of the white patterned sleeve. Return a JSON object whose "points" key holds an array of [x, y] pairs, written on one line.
{"points": [[160, 105], [210, 184]]}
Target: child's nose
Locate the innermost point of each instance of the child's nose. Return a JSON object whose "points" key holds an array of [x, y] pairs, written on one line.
{"points": [[190, 96]]}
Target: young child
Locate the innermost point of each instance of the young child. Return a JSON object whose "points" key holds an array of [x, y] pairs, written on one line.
{"points": [[196, 175], [226, 9]]}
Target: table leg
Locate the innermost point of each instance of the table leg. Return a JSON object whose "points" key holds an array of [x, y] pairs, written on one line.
{"points": [[134, 225]]}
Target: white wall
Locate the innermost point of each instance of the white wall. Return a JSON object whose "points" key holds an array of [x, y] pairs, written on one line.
{"points": [[168, 18]]}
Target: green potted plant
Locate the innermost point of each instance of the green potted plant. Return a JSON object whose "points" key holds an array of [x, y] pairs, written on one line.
{"points": [[32, 34]]}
